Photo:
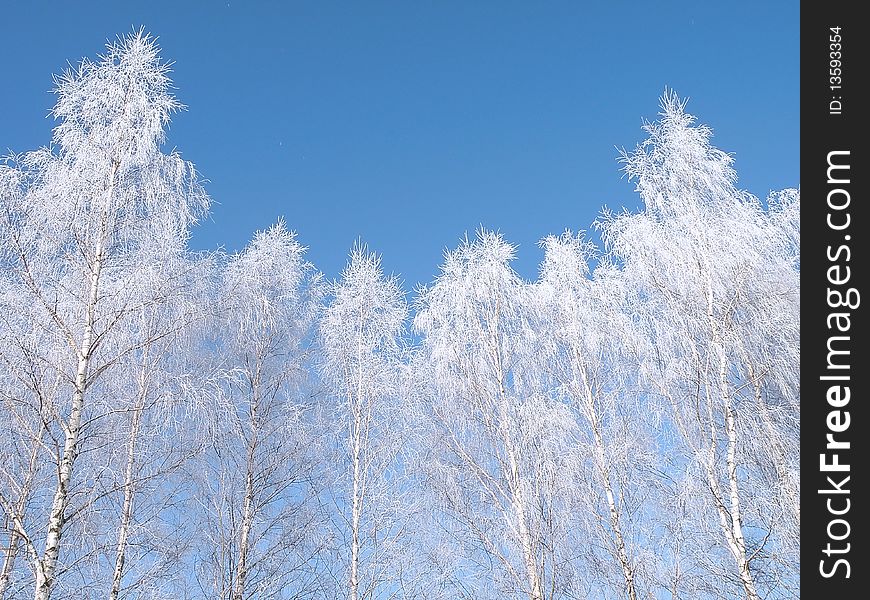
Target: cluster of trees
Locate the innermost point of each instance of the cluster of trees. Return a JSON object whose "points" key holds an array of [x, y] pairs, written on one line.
{"points": [[202, 425]]}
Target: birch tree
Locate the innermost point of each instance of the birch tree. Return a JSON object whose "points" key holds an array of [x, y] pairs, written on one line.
{"points": [[96, 208], [157, 390], [256, 481], [503, 442], [360, 334], [719, 287], [588, 356]]}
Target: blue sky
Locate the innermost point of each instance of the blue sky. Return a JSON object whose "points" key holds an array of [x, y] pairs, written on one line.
{"points": [[407, 124]]}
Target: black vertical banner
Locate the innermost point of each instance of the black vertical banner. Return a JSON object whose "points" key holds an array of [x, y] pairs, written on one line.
{"points": [[835, 353]]}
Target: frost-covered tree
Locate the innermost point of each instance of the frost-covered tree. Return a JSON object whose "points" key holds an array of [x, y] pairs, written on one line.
{"points": [[717, 281], [256, 477], [360, 338], [156, 389], [588, 359], [503, 444], [88, 218], [27, 384]]}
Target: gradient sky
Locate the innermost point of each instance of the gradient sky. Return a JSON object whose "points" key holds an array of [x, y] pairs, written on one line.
{"points": [[407, 124]]}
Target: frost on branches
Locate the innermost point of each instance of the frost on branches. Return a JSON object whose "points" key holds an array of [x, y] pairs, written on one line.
{"points": [[202, 425], [94, 231]]}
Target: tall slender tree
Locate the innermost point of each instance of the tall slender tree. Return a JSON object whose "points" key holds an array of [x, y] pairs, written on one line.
{"points": [[155, 389], [99, 205], [588, 357], [503, 441], [360, 336], [256, 480], [718, 284]]}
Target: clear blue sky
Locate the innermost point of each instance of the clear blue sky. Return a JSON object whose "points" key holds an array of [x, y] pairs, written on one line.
{"points": [[409, 123]]}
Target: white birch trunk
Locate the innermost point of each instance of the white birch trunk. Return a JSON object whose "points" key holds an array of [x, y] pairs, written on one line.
{"points": [[45, 566], [358, 487], [739, 545], [518, 501], [729, 517], [129, 490], [245, 535], [248, 502], [604, 473], [534, 578], [356, 513]]}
